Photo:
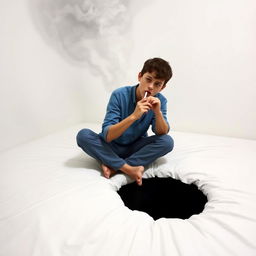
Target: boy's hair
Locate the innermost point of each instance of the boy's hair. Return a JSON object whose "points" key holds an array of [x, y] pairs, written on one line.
{"points": [[161, 67]]}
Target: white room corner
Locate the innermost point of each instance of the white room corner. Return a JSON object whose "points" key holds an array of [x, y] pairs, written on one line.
{"points": [[59, 65], [59, 62]]}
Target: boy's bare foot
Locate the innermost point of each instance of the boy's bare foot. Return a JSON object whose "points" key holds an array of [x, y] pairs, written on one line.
{"points": [[107, 171], [135, 172]]}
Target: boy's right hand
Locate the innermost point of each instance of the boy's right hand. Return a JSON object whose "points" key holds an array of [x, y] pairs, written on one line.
{"points": [[142, 106]]}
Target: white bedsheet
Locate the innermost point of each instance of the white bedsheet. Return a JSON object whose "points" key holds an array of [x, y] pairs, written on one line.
{"points": [[54, 201]]}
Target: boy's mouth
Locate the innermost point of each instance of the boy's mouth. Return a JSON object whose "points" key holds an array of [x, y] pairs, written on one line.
{"points": [[146, 94]]}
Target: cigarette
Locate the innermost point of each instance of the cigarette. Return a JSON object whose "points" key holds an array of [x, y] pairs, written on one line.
{"points": [[145, 95]]}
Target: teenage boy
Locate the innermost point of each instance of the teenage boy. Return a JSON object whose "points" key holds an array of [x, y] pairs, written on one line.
{"points": [[123, 143]]}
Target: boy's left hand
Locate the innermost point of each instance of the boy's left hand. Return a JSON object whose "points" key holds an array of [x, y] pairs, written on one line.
{"points": [[156, 104]]}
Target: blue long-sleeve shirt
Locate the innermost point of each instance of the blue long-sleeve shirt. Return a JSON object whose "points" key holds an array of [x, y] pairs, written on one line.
{"points": [[122, 103]]}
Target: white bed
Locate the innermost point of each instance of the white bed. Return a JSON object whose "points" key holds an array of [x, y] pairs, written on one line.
{"points": [[54, 201]]}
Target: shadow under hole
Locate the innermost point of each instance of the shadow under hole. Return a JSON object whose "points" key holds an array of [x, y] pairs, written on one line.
{"points": [[164, 198]]}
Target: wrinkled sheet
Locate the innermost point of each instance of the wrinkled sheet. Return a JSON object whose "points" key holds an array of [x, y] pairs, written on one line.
{"points": [[54, 200]]}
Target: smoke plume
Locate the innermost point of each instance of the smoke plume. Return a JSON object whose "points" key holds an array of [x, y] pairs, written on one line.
{"points": [[91, 33]]}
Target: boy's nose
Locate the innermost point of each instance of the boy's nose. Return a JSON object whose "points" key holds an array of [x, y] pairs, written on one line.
{"points": [[150, 86]]}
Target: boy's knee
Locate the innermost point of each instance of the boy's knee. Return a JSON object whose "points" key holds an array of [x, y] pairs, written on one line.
{"points": [[167, 143], [82, 136]]}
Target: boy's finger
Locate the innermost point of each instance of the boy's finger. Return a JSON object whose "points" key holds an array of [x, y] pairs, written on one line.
{"points": [[144, 100], [148, 106]]}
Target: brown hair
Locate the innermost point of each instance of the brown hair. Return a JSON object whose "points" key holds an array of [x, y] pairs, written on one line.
{"points": [[161, 67]]}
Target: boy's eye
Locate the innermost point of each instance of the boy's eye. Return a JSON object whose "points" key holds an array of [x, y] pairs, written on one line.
{"points": [[148, 79], [158, 84]]}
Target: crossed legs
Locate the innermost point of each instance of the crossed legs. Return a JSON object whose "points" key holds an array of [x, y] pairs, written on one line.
{"points": [[129, 159]]}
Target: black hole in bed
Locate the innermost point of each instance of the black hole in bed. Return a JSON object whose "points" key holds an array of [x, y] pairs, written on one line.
{"points": [[164, 197]]}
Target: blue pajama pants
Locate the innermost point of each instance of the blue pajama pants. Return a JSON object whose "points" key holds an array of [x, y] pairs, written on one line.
{"points": [[142, 152]]}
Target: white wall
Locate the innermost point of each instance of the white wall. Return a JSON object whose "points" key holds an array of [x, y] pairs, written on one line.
{"points": [[40, 92], [211, 47], [44, 86]]}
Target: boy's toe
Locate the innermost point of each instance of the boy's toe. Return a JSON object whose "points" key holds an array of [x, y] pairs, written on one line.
{"points": [[139, 181]]}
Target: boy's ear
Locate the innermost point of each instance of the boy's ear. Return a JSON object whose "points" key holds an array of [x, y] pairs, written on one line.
{"points": [[139, 76]]}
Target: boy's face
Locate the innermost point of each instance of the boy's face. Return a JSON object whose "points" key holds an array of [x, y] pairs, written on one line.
{"points": [[149, 84]]}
